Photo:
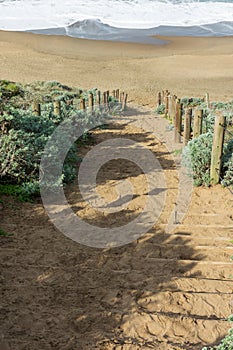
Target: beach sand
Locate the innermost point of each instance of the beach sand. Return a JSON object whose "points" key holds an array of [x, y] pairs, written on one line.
{"points": [[185, 66], [167, 291]]}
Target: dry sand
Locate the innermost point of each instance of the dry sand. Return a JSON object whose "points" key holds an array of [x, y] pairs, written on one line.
{"points": [[185, 66]]}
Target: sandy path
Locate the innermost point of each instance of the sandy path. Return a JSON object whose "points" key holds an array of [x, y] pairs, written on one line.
{"points": [[165, 291]]}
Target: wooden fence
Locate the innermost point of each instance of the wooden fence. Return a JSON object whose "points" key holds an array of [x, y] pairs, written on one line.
{"points": [[188, 124], [93, 101]]}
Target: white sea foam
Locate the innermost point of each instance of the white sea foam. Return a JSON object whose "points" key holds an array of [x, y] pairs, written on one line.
{"points": [[134, 14]]}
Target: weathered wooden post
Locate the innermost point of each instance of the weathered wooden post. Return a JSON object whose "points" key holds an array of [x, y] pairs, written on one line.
{"points": [[117, 94], [207, 98], [36, 110], [166, 103], [162, 96], [107, 97], [99, 97], [178, 121], [91, 101], [104, 97], [173, 108], [217, 148], [159, 99], [187, 125], [57, 107], [114, 93], [122, 97], [124, 101], [82, 104], [197, 126], [169, 105]]}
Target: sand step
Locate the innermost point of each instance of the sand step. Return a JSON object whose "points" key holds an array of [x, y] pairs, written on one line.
{"points": [[185, 252], [185, 239], [145, 250], [193, 219], [194, 305], [215, 269], [174, 328]]}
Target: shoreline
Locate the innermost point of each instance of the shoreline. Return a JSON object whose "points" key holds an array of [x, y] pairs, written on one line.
{"points": [[187, 66]]}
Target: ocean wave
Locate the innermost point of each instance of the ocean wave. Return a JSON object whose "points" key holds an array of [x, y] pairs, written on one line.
{"points": [[96, 30]]}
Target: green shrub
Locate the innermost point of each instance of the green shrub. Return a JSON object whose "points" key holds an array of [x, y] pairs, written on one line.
{"points": [[197, 158], [23, 135], [160, 109], [228, 164]]}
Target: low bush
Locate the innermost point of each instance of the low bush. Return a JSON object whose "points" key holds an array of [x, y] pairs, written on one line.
{"points": [[23, 135]]}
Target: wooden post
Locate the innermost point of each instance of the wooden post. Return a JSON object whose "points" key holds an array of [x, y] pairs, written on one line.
{"points": [[162, 96], [99, 97], [91, 101], [197, 127], [178, 121], [173, 108], [187, 125], [107, 97], [36, 110], [122, 98], [159, 99], [169, 105], [57, 107], [124, 101], [126, 97], [82, 104], [207, 97], [217, 148], [166, 103], [114, 93], [117, 94]]}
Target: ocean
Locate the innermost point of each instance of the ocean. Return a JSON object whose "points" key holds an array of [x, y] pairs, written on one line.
{"points": [[123, 20]]}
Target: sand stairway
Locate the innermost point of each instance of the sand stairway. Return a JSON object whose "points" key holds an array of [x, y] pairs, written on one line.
{"points": [[166, 291]]}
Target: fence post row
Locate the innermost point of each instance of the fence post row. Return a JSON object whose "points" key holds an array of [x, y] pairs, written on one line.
{"points": [[36, 107], [174, 111]]}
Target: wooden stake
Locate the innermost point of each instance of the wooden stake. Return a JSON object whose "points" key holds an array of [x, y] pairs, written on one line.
{"points": [[114, 93], [82, 104], [187, 125], [99, 97], [124, 101], [178, 121], [36, 110], [57, 107], [207, 96], [107, 97], [217, 148], [198, 118], [159, 99], [173, 108], [91, 101], [162, 96], [166, 103], [117, 94]]}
